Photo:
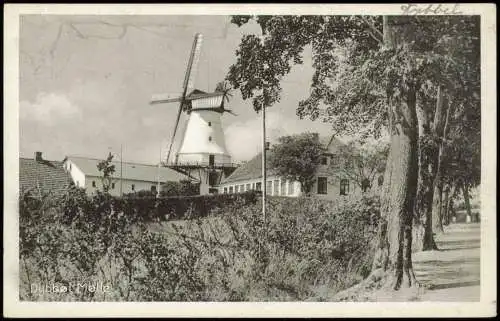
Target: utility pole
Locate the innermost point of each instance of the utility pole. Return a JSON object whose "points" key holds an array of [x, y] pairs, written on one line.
{"points": [[264, 143], [264, 172], [121, 170], [158, 185]]}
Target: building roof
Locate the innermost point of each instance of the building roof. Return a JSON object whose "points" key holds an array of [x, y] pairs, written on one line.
{"points": [[131, 171], [253, 168], [250, 170], [42, 176]]}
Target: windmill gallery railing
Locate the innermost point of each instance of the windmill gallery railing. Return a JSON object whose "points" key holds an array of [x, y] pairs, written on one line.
{"points": [[214, 165]]}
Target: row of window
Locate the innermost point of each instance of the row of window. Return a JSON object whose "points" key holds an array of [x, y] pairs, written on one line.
{"points": [[278, 188]]}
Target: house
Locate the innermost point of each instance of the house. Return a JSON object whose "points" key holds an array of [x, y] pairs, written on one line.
{"points": [[41, 177], [127, 178], [328, 184]]}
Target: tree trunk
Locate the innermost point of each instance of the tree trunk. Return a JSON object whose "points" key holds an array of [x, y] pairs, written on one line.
{"points": [[392, 264], [449, 204], [437, 207], [465, 190], [444, 210], [428, 158], [400, 188]]}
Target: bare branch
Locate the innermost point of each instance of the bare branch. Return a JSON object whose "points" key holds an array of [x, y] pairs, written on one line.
{"points": [[379, 36]]}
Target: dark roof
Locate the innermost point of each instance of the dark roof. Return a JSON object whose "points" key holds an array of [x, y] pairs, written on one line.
{"points": [[253, 168], [197, 94], [250, 170], [42, 176]]}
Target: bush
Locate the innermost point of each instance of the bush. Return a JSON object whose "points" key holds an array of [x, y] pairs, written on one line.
{"points": [[183, 207], [305, 246]]}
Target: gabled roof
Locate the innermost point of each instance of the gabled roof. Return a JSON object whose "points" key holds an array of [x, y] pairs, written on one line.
{"points": [[250, 170], [253, 168], [42, 176], [131, 171]]}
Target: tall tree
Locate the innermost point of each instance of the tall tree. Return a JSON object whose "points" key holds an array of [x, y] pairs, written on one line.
{"points": [[368, 72], [297, 158]]}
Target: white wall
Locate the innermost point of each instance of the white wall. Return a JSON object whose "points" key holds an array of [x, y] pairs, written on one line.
{"points": [[333, 187], [203, 136], [76, 174], [225, 188], [126, 185]]}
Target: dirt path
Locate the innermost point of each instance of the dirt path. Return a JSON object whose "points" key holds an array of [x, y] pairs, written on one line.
{"points": [[453, 272]]}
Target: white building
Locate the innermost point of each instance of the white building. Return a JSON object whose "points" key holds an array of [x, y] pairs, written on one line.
{"points": [[135, 177], [202, 152], [203, 138], [328, 184]]}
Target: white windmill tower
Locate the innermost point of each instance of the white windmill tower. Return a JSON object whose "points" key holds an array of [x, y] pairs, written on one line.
{"points": [[202, 151]]}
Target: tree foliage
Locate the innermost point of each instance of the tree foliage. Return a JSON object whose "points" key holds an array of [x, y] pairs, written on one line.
{"points": [[297, 158], [354, 75], [370, 73], [107, 169], [362, 163]]}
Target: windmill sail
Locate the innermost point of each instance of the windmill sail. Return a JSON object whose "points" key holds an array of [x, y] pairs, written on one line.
{"points": [[166, 98], [192, 67]]}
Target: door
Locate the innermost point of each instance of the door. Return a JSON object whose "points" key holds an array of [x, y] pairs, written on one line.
{"points": [[211, 160]]}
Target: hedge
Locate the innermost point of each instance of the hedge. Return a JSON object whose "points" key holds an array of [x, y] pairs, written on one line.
{"points": [[180, 207]]}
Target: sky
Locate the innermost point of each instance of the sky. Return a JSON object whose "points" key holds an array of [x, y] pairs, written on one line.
{"points": [[86, 83]]}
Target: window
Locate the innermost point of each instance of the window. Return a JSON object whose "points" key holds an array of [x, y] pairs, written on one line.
{"points": [[291, 188], [211, 160], [258, 186], [112, 185], [225, 190], [269, 187], [209, 138], [322, 185], [133, 187], [236, 188], [283, 187], [209, 124], [249, 187], [324, 160], [344, 186], [276, 186], [93, 183], [334, 160], [242, 188], [153, 188], [230, 189]]}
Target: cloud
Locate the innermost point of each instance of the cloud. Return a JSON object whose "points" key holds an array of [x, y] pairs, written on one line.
{"points": [[244, 139], [48, 108]]}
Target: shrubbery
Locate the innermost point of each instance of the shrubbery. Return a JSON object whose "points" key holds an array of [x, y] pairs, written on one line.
{"points": [[306, 250]]}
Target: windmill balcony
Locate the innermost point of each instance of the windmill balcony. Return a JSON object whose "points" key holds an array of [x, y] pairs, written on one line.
{"points": [[203, 165]]}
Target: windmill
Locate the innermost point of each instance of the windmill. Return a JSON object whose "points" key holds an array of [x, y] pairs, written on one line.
{"points": [[203, 148]]}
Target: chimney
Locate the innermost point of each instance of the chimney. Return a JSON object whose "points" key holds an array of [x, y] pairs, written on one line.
{"points": [[38, 156]]}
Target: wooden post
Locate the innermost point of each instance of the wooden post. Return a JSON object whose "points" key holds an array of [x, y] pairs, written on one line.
{"points": [[264, 173]]}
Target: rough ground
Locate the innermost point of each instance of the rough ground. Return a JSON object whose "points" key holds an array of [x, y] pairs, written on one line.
{"points": [[453, 272], [450, 274]]}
